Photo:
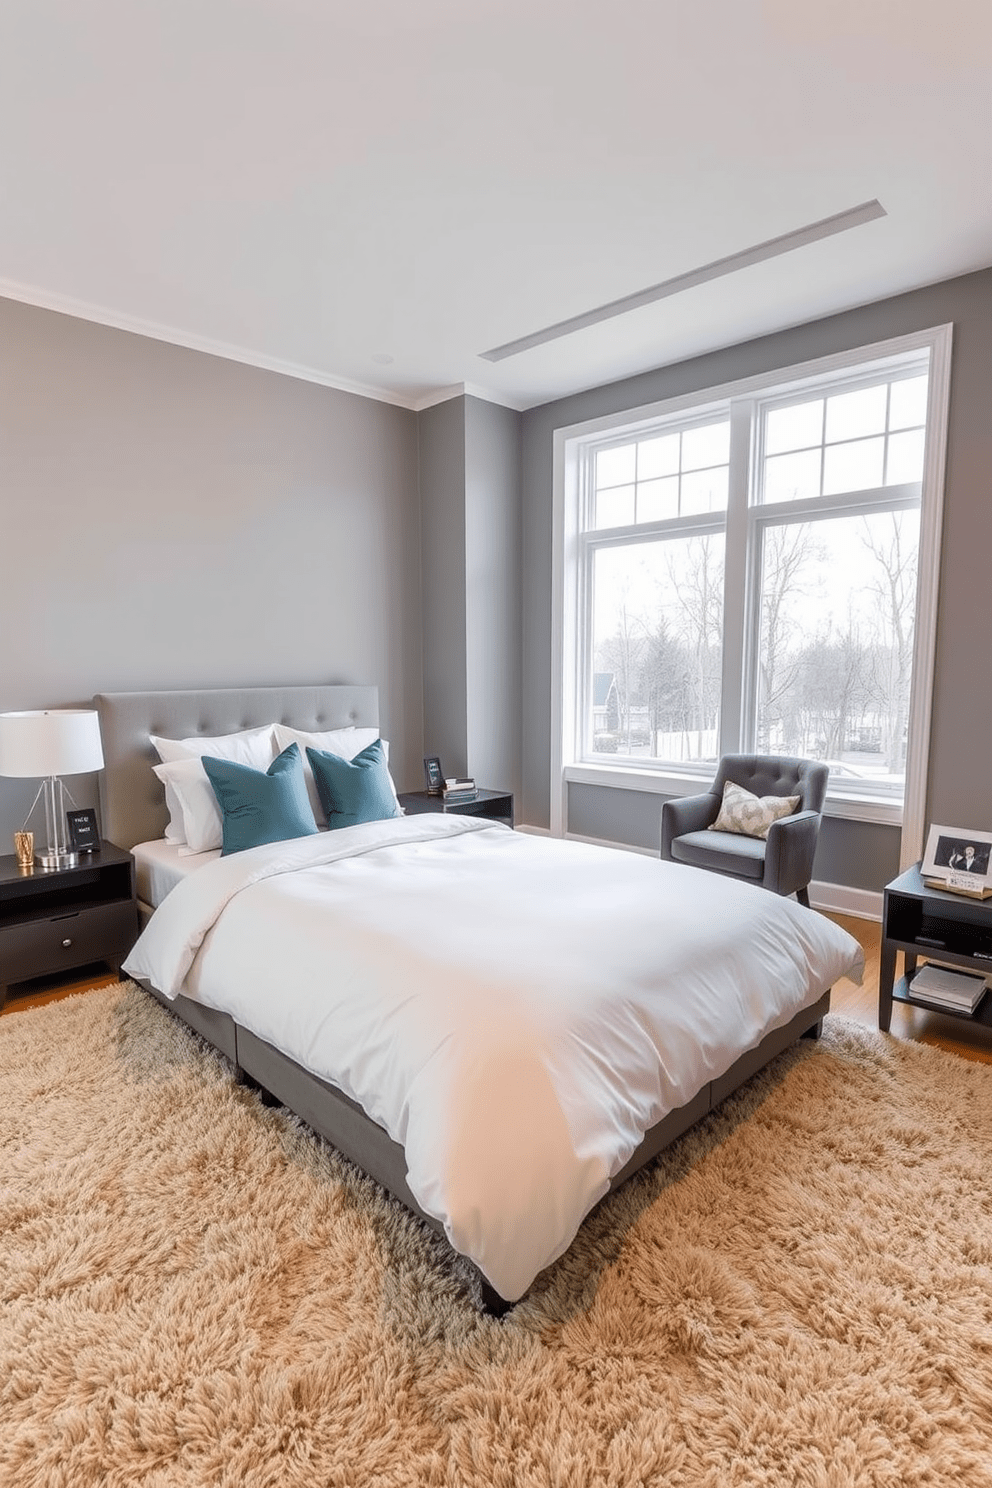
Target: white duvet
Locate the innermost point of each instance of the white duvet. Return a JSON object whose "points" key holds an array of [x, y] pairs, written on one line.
{"points": [[515, 1010]]}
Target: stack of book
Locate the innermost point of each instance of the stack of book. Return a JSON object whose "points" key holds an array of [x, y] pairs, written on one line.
{"points": [[459, 790], [960, 991]]}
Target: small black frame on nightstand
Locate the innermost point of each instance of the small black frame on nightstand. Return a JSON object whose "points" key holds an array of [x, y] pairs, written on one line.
{"points": [[82, 830], [433, 775]]}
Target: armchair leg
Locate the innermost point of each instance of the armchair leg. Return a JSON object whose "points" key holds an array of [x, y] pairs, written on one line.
{"points": [[803, 896]]}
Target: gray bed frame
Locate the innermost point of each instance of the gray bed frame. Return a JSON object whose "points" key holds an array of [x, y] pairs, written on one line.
{"points": [[133, 810]]}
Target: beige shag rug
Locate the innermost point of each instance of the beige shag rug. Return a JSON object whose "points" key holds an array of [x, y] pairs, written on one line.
{"points": [[196, 1291]]}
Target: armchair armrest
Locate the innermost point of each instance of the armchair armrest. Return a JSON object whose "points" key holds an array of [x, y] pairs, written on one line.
{"points": [[789, 852], [686, 814]]}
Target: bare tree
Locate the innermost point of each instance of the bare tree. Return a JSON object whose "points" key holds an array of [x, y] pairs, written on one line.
{"points": [[829, 689], [697, 605], [894, 547], [785, 551], [664, 665]]}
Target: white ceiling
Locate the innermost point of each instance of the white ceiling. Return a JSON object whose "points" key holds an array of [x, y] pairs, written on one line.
{"points": [[316, 186]]}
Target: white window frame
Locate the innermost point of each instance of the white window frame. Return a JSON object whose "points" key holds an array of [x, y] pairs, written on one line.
{"points": [[570, 612]]}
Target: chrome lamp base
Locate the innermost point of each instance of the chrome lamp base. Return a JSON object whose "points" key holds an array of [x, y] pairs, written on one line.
{"points": [[54, 859]]}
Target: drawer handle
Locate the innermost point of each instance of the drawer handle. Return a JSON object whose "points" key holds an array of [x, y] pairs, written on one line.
{"points": [[67, 943]]}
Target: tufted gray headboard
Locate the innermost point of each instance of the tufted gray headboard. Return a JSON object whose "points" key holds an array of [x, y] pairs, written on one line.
{"points": [[132, 799]]}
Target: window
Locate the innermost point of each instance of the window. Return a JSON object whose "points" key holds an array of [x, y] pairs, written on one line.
{"points": [[748, 570]]}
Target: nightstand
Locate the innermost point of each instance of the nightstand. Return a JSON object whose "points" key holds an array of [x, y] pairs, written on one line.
{"points": [[53, 920], [950, 929], [496, 805]]}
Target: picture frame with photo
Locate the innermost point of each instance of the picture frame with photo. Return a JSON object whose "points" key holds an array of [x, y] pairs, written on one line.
{"points": [[433, 775], [958, 859]]}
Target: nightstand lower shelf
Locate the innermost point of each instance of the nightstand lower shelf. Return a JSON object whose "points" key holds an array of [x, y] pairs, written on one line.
{"points": [[982, 1013]]}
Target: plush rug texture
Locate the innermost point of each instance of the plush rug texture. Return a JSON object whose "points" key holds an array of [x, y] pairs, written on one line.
{"points": [[196, 1291]]}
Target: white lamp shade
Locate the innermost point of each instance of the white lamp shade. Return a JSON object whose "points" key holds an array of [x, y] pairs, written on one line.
{"points": [[56, 741]]}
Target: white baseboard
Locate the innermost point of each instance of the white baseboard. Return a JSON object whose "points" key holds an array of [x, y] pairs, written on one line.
{"points": [[864, 904], [647, 852]]}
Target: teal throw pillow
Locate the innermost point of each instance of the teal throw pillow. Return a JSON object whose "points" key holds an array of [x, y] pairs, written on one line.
{"points": [[258, 806], [354, 791]]}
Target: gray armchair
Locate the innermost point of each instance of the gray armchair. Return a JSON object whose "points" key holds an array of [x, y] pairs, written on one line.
{"points": [[782, 862]]}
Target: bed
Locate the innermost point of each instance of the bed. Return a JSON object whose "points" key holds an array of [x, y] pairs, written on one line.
{"points": [[499, 1028]]}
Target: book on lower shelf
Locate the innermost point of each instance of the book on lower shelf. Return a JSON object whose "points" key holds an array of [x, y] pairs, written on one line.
{"points": [[961, 991]]}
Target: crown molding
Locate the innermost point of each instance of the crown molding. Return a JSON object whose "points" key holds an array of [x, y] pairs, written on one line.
{"points": [[42, 299], [466, 390]]}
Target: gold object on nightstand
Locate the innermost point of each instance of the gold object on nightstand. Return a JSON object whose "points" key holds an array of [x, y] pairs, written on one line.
{"points": [[24, 848]]}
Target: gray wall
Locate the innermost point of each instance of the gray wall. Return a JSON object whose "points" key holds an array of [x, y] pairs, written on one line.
{"points": [[634, 818], [442, 498], [492, 583], [470, 498], [858, 854], [170, 519]]}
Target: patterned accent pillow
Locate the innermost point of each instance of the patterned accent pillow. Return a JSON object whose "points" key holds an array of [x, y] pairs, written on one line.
{"points": [[749, 815]]}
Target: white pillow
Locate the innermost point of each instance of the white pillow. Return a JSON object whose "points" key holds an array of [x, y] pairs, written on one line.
{"points": [[255, 747], [345, 742], [198, 813], [175, 832]]}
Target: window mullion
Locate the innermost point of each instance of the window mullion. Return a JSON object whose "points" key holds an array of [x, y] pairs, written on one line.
{"points": [[583, 693], [700, 524], [735, 649], [844, 503]]}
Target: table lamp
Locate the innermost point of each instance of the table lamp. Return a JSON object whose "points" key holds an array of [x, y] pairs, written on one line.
{"points": [[51, 743]]}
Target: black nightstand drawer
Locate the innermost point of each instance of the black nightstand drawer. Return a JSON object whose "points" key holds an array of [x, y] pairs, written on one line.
{"points": [[105, 932]]}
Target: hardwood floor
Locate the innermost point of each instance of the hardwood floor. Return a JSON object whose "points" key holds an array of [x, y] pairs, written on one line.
{"points": [[53, 988], [970, 1040]]}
